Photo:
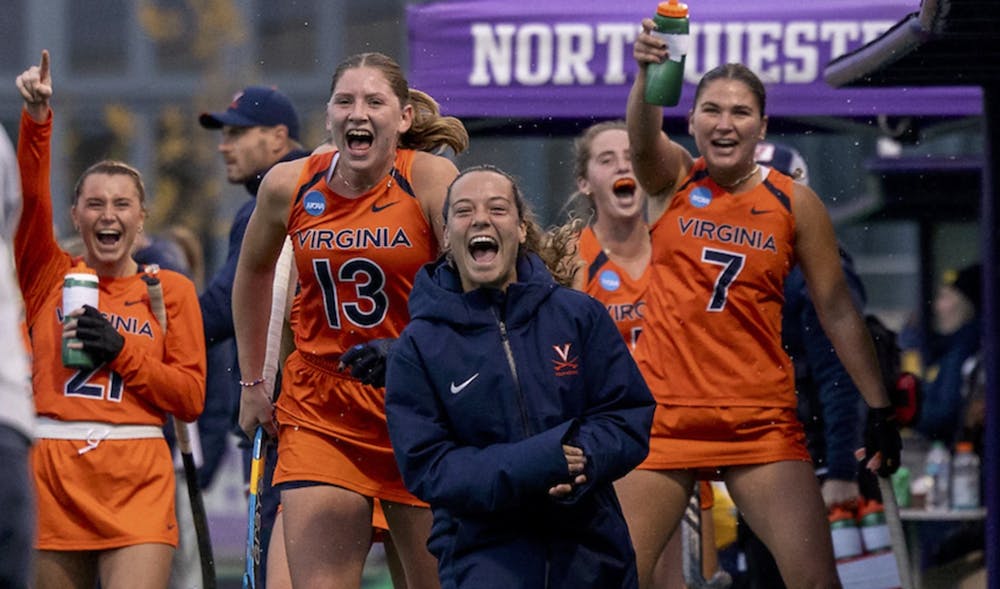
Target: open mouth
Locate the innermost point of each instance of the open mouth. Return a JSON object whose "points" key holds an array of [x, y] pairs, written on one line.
{"points": [[483, 249], [359, 139], [623, 187], [108, 237]]}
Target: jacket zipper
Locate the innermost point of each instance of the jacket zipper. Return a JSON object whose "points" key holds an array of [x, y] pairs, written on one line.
{"points": [[513, 370]]}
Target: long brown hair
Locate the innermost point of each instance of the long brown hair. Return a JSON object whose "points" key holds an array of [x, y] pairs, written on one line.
{"points": [[429, 131]]}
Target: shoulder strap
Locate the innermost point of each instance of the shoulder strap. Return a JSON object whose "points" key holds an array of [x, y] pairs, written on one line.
{"points": [[155, 290]]}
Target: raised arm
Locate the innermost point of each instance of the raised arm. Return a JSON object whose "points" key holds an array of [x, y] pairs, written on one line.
{"points": [[252, 292], [35, 86], [658, 162], [35, 246]]}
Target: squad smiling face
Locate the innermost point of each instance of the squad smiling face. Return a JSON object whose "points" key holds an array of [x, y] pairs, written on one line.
{"points": [[484, 229]]}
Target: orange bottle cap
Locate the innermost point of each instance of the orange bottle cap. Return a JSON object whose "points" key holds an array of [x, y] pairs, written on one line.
{"points": [[963, 447], [672, 9], [870, 506], [838, 513], [81, 267]]}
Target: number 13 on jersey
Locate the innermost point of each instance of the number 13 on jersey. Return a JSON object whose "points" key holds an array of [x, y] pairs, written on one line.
{"points": [[369, 304]]}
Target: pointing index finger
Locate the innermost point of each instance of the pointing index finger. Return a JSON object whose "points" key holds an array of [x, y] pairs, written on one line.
{"points": [[43, 67]]}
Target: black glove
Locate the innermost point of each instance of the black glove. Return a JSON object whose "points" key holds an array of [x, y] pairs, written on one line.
{"points": [[100, 339], [882, 435], [367, 361]]}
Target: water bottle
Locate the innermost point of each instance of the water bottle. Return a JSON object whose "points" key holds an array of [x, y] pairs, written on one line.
{"points": [[901, 486], [80, 287], [874, 529], [965, 478], [938, 468], [664, 80], [845, 533]]}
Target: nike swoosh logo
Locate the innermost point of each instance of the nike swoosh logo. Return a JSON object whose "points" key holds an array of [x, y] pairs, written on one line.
{"points": [[376, 208], [456, 389], [754, 211], [130, 303]]}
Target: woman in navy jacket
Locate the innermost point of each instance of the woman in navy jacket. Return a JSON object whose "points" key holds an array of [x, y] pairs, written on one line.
{"points": [[513, 405]]}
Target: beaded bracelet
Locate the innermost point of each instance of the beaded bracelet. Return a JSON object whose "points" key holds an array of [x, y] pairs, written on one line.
{"points": [[252, 383]]}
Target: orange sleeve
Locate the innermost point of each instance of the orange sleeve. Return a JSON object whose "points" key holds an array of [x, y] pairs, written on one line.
{"points": [[40, 263], [175, 382]]}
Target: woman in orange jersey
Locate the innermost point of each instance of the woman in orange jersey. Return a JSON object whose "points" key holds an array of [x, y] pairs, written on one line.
{"points": [[711, 345], [103, 472], [614, 250], [362, 219], [614, 247]]}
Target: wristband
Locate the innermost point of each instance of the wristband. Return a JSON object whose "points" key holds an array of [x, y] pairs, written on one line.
{"points": [[252, 383]]}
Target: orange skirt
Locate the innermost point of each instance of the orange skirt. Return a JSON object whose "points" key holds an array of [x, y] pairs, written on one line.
{"points": [[121, 493], [710, 438], [332, 429]]}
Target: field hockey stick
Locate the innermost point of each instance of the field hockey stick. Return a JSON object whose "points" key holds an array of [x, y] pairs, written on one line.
{"points": [[692, 565], [275, 323], [896, 536], [198, 513], [253, 509]]}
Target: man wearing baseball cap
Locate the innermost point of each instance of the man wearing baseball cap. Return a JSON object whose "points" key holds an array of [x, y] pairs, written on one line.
{"points": [[260, 128]]}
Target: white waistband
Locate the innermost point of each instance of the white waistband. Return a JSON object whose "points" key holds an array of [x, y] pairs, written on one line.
{"points": [[92, 432]]}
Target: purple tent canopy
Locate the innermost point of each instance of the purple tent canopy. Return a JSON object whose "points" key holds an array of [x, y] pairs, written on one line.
{"points": [[573, 59]]}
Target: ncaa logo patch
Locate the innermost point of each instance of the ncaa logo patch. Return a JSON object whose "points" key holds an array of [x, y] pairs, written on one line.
{"points": [[700, 197], [609, 280], [314, 203]]}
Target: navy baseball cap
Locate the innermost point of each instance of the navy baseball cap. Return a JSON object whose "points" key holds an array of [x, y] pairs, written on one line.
{"points": [[255, 106], [784, 158]]}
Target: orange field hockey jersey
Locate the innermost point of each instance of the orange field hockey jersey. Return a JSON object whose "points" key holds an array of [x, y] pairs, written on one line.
{"points": [[712, 334], [356, 257], [623, 296], [154, 374]]}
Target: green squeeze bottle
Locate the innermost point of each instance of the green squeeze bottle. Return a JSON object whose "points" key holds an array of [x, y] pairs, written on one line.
{"points": [[664, 80]]}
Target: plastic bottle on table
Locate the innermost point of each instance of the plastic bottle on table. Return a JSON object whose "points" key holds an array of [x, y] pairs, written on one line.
{"points": [[938, 468], [845, 533], [965, 477], [874, 529], [664, 80], [80, 287]]}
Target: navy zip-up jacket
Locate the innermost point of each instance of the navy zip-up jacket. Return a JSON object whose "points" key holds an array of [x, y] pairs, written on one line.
{"points": [[830, 406], [483, 389], [222, 387]]}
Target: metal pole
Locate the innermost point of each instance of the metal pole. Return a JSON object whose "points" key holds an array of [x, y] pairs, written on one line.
{"points": [[989, 226]]}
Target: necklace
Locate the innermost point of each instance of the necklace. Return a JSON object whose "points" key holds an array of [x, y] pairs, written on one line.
{"points": [[363, 188], [741, 180]]}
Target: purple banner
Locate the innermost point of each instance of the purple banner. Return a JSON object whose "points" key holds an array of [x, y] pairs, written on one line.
{"points": [[573, 58]]}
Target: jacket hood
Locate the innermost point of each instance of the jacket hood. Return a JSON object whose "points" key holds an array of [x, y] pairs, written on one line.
{"points": [[437, 295]]}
